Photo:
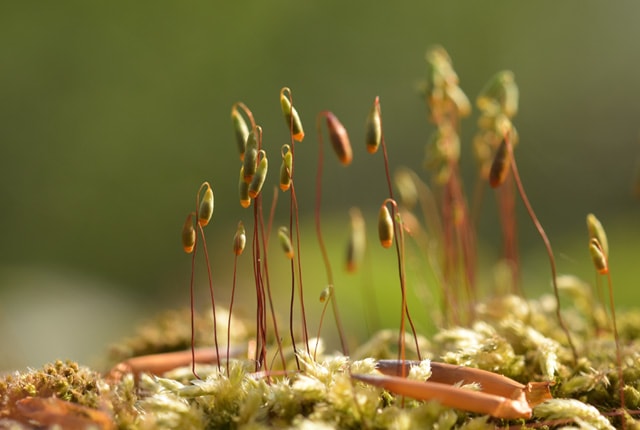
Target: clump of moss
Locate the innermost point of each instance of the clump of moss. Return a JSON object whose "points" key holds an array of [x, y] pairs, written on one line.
{"points": [[515, 337], [321, 396], [171, 331], [64, 380], [77, 391]]}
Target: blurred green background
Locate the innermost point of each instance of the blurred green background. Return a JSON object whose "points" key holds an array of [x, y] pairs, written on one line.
{"points": [[113, 113]]}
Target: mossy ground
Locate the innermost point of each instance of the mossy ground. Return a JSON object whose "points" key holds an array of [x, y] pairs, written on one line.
{"points": [[511, 336]]}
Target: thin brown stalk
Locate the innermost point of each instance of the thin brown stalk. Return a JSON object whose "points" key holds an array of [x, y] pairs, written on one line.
{"points": [[394, 212], [323, 249], [294, 209], [547, 245], [233, 293], [258, 206], [322, 314], [617, 340], [247, 112], [191, 299], [293, 214], [261, 330], [463, 234], [213, 301], [506, 204]]}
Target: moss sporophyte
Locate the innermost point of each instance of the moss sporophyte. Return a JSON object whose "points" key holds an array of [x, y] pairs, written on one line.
{"points": [[499, 361]]}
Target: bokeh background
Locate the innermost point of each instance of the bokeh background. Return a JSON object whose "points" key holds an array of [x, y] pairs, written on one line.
{"points": [[113, 113]]}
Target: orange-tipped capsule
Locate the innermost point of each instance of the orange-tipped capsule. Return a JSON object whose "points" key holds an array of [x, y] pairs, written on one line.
{"points": [[326, 293], [357, 241], [239, 239], [500, 166], [597, 231], [374, 128], [291, 115], [250, 162], [598, 257], [188, 235], [385, 227], [241, 130], [206, 206], [285, 168], [258, 178], [285, 242], [339, 139], [243, 189]]}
